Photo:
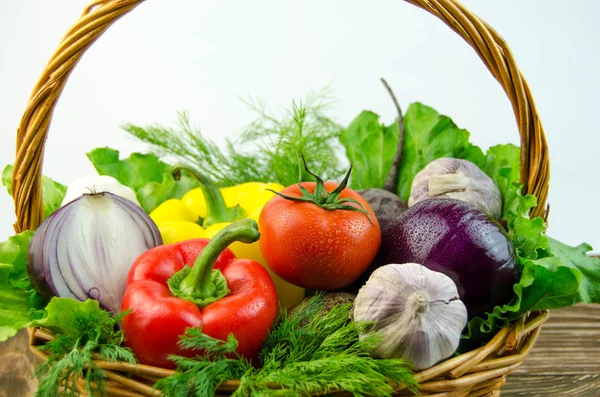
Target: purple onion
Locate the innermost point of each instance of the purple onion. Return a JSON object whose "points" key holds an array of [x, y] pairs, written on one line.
{"points": [[85, 249], [456, 238]]}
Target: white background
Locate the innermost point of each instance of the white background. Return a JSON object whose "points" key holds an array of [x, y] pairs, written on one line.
{"points": [[201, 56]]}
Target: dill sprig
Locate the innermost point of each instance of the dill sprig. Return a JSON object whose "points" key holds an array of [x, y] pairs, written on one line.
{"points": [[200, 376], [266, 150], [92, 335], [306, 352], [316, 351], [304, 130]]}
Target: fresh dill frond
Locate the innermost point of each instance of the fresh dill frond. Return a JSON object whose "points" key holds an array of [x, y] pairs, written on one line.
{"points": [[360, 375], [300, 336], [304, 129], [215, 348], [288, 331], [92, 335], [200, 376], [309, 351], [316, 351], [185, 143], [266, 150]]}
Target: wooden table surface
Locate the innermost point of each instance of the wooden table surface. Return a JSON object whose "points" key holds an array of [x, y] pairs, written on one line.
{"points": [[564, 362]]}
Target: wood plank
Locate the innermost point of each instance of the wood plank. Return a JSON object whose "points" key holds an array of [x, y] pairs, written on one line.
{"points": [[552, 385], [565, 360], [17, 365]]}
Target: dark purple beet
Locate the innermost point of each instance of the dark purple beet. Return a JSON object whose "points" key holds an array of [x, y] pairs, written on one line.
{"points": [[457, 239], [386, 205]]}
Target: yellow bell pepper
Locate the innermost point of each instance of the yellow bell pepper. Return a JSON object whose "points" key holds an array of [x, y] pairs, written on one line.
{"points": [[176, 222], [204, 211]]}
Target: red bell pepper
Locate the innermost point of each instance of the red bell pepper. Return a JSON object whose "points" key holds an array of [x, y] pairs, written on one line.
{"points": [[166, 296]]}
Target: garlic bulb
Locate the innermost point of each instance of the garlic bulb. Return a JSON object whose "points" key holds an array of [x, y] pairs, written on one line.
{"points": [[458, 179], [416, 311], [98, 184]]}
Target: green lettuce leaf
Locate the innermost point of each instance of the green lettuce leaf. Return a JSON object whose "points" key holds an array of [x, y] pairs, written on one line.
{"points": [[429, 136], [503, 162], [370, 147], [53, 192], [553, 275], [61, 314], [148, 176], [19, 302], [502, 165]]}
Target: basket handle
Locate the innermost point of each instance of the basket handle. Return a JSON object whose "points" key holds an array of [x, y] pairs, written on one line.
{"points": [[101, 14]]}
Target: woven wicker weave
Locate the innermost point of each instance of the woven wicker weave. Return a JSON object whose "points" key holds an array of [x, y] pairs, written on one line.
{"points": [[479, 372]]}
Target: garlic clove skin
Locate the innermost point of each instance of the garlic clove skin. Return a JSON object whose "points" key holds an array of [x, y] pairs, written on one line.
{"points": [[458, 179], [416, 312]]}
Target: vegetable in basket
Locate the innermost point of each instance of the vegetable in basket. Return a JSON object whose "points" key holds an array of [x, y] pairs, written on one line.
{"points": [[83, 333], [430, 135], [219, 294], [97, 184], [306, 352], [319, 235], [386, 205], [19, 300], [416, 313], [148, 176], [209, 208], [458, 179], [214, 208], [85, 249], [458, 239]]}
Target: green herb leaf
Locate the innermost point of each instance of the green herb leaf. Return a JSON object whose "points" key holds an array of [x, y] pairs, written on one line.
{"points": [[317, 351], [429, 136], [149, 177], [266, 150], [370, 147], [19, 302], [53, 193], [202, 375], [83, 332]]}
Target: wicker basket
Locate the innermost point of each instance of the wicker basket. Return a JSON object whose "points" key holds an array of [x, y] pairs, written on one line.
{"points": [[480, 372]]}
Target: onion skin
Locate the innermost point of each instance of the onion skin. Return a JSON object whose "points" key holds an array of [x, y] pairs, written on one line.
{"points": [[37, 274], [456, 238], [80, 252]]}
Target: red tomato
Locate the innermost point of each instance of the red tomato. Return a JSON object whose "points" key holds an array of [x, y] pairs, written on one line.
{"points": [[316, 248]]}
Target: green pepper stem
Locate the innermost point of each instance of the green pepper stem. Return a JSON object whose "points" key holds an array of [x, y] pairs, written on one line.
{"points": [[198, 282], [216, 208]]}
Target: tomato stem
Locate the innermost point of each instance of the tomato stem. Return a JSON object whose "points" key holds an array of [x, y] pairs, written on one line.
{"points": [[323, 198]]}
